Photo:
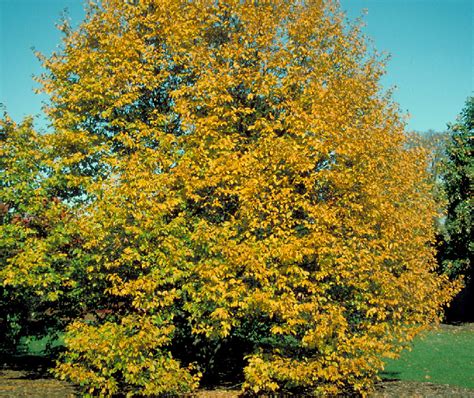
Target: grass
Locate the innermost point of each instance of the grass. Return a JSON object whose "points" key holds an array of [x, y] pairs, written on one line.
{"points": [[442, 356], [33, 346]]}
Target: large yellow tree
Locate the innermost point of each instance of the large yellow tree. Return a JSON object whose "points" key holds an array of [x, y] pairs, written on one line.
{"points": [[242, 177]]}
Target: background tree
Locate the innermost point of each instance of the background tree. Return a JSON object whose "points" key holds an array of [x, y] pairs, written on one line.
{"points": [[435, 144], [43, 275], [31, 234], [458, 250], [239, 179], [20, 164]]}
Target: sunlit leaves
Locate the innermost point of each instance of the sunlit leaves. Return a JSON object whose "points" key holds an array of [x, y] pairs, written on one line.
{"points": [[237, 172]]}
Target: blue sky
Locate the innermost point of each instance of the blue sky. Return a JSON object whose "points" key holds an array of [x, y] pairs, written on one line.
{"points": [[430, 41]]}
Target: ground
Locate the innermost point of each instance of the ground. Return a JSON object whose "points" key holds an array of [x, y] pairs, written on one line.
{"points": [[16, 384]]}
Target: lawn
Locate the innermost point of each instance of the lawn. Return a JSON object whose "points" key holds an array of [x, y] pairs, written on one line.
{"points": [[442, 356], [34, 346]]}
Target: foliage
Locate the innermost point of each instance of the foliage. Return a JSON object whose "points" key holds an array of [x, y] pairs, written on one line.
{"points": [[44, 280], [435, 144], [234, 174], [458, 183], [26, 233], [112, 357]]}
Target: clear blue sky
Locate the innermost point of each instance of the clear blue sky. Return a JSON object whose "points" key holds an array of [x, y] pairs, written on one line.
{"points": [[431, 43]]}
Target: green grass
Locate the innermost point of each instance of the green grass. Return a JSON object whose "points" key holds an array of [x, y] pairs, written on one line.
{"points": [[444, 356], [34, 346]]}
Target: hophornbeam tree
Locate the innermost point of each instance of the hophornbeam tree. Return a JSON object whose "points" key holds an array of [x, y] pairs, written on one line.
{"points": [[244, 180]]}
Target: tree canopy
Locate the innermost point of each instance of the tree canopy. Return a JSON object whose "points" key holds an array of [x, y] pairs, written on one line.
{"points": [[458, 183], [456, 251], [237, 180]]}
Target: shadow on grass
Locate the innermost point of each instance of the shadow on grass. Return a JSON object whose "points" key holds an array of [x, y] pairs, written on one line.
{"points": [[32, 367], [389, 376]]}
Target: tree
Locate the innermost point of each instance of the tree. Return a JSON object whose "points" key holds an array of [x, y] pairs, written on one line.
{"points": [[34, 236], [458, 182], [20, 160], [435, 143], [240, 179]]}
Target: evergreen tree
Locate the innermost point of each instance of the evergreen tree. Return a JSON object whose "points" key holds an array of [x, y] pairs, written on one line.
{"points": [[458, 182], [458, 246]]}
